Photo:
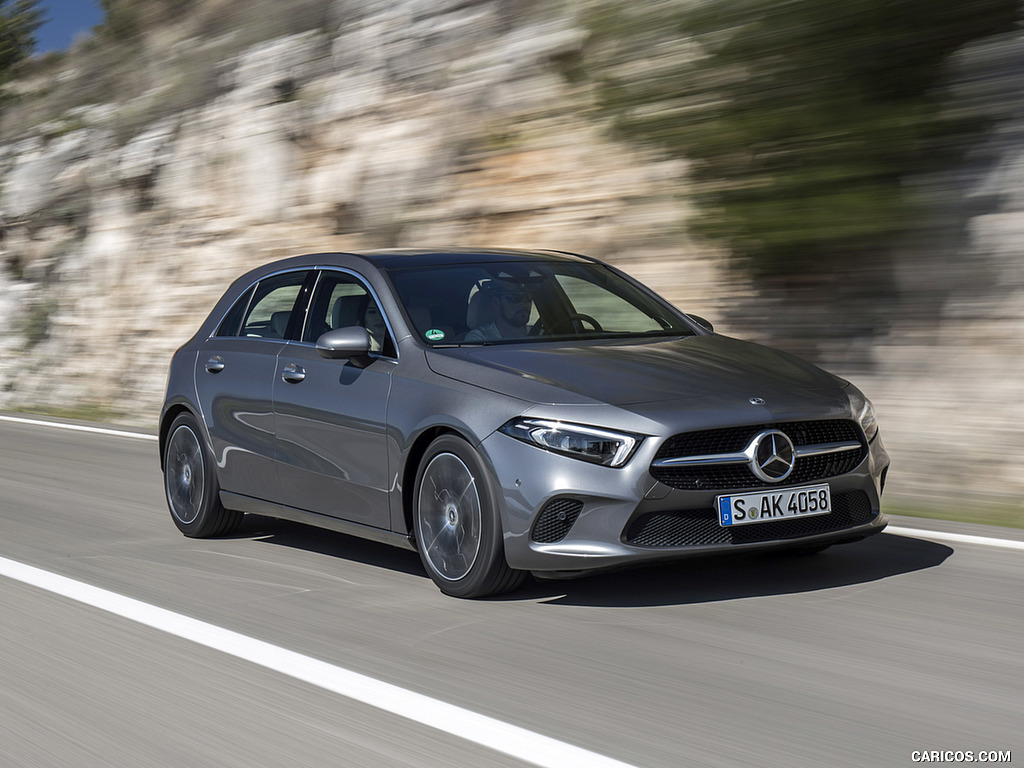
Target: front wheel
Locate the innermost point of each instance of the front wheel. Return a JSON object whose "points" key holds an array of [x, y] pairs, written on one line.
{"points": [[458, 530], [190, 484]]}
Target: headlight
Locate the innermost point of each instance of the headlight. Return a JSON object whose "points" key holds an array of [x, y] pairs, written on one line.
{"points": [[865, 412], [599, 446], [868, 421]]}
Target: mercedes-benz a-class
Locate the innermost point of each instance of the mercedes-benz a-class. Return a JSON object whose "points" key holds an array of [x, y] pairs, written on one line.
{"points": [[504, 412]]}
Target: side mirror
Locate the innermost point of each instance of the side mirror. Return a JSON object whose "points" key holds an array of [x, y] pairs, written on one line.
{"points": [[705, 324], [352, 343]]}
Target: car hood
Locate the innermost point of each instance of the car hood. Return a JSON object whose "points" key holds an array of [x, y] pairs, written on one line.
{"points": [[637, 372]]}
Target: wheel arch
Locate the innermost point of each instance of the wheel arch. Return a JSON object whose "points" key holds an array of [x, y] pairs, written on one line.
{"points": [[412, 464], [172, 412]]}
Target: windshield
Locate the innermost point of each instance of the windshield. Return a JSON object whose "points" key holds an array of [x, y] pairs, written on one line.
{"points": [[494, 303]]}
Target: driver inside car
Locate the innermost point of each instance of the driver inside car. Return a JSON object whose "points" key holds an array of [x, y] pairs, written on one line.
{"points": [[510, 305]]}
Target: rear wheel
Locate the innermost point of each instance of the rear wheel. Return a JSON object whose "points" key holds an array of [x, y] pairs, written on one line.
{"points": [[458, 530], [190, 484]]}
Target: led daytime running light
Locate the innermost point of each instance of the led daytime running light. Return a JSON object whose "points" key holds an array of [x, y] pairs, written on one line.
{"points": [[599, 446]]}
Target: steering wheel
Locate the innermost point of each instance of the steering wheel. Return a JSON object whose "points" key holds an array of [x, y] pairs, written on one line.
{"points": [[578, 319]]}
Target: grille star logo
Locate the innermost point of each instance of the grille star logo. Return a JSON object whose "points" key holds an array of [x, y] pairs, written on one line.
{"points": [[773, 456]]}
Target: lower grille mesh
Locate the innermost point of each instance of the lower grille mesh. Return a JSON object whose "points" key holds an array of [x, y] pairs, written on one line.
{"points": [[694, 527], [555, 520]]}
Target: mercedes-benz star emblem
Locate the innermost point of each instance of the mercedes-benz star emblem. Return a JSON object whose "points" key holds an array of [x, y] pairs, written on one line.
{"points": [[756, 401], [772, 456]]}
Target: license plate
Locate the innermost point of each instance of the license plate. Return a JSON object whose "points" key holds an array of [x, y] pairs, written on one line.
{"points": [[766, 506]]}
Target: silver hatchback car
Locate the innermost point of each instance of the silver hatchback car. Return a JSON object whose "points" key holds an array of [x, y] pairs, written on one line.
{"points": [[504, 412]]}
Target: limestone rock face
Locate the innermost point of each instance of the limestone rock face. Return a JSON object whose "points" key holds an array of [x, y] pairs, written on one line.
{"points": [[403, 123]]}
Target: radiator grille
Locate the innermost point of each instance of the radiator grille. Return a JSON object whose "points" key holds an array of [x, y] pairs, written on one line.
{"points": [[724, 477]]}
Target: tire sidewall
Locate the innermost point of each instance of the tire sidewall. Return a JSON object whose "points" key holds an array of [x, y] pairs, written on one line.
{"points": [[211, 487], [490, 557]]}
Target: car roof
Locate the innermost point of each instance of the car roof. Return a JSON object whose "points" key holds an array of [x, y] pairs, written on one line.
{"points": [[398, 258]]}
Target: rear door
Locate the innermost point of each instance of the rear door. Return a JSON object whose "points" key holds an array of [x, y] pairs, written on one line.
{"points": [[330, 415], [235, 381]]}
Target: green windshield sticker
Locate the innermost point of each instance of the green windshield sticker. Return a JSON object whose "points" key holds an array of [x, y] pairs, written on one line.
{"points": [[434, 334]]}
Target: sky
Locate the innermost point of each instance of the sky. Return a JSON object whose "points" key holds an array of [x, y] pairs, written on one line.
{"points": [[65, 19]]}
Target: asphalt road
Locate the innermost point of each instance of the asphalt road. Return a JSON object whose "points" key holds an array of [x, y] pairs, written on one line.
{"points": [[860, 656]]}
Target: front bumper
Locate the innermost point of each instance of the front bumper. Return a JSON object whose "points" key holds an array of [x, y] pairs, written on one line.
{"points": [[561, 514]]}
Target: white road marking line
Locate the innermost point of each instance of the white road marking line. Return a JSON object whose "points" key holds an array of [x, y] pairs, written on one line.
{"points": [[960, 538], [511, 740], [77, 427]]}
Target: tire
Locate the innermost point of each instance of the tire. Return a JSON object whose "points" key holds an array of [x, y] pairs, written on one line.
{"points": [[458, 529], [190, 484]]}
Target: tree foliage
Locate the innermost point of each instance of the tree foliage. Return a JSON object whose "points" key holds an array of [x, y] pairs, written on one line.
{"points": [[128, 19], [803, 119], [19, 21]]}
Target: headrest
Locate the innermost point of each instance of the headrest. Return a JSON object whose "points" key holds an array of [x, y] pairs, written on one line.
{"points": [[480, 310], [279, 324], [348, 311]]}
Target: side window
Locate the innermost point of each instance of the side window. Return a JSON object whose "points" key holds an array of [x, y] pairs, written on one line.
{"points": [[340, 301], [233, 319], [270, 309]]}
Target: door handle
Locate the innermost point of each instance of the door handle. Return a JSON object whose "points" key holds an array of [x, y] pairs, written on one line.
{"points": [[215, 364], [293, 373]]}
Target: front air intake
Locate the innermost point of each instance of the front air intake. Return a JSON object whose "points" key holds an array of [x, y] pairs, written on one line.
{"points": [[555, 520]]}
